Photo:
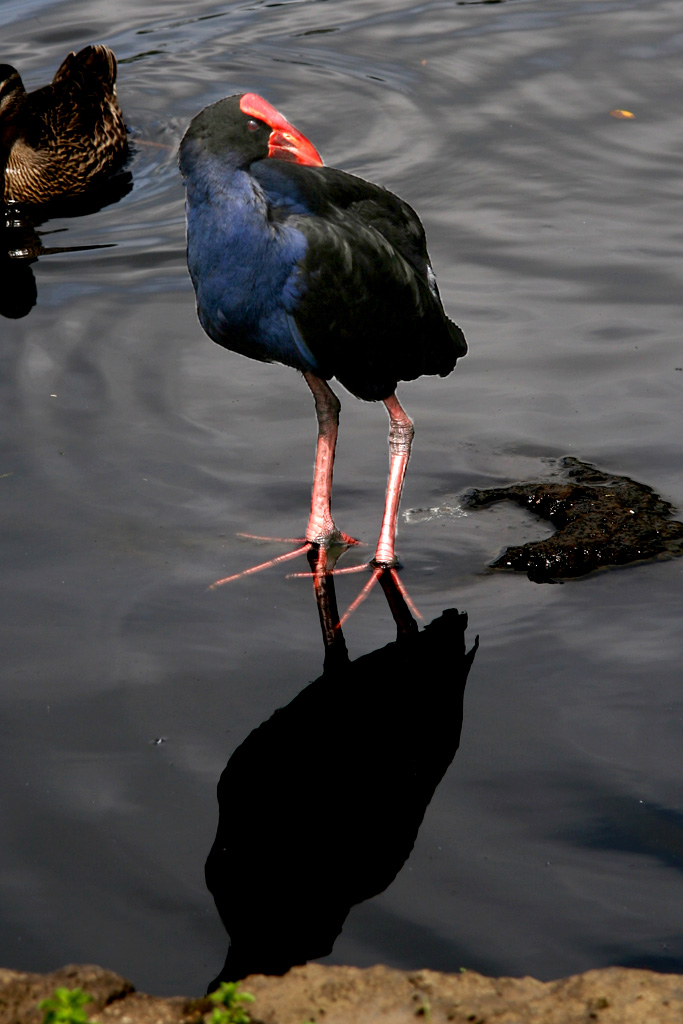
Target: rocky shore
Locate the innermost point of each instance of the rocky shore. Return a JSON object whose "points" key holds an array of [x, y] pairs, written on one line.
{"points": [[349, 995]]}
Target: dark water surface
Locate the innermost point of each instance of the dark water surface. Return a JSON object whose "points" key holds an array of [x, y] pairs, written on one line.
{"points": [[135, 451]]}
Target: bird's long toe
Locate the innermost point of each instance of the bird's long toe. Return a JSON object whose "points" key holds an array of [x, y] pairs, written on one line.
{"points": [[381, 575], [322, 553]]}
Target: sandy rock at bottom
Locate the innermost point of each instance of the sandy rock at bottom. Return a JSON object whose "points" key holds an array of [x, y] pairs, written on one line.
{"points": [[350, 995], [339, 995]]}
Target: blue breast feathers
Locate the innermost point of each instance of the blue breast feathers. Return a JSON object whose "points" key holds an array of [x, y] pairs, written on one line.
{"points": [[245, 270]]}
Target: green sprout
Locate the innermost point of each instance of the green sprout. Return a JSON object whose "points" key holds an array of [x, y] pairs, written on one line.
{"points": [[228, 1008], [65, 1006]]}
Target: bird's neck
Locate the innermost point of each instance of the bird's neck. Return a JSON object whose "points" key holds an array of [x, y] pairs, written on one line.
{"points": [[224, 207], [10, 117], [222, 175], [229, 234]]}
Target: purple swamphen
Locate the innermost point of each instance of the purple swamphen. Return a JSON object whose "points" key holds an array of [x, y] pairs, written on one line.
{"points": [[302, 264]]}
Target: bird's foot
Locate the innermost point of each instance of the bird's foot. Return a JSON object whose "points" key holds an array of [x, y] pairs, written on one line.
{"points": [[329, 549], [261, 566], [333, 554], [379, 573], [325, 552], [322, 555]]}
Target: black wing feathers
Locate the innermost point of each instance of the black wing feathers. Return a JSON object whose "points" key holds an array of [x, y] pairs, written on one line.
{"points": [[368, 308]]}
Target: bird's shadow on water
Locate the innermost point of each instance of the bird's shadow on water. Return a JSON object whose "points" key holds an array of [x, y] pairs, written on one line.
{"points": [[21, 243], [320, 806]]}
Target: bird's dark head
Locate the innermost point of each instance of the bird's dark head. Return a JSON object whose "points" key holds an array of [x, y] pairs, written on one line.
{"points": [[12, 95], [11, 86], [242, 129]]}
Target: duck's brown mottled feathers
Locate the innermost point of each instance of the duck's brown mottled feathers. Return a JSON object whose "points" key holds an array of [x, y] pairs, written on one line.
{"points": [[57, 141]]}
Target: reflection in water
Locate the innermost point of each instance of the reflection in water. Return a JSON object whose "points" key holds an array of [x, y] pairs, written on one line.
{"points": [[21, 244], [320, 806]]}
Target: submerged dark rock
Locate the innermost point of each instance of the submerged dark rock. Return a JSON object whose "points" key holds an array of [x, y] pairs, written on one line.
{"points": [[601, 519]]}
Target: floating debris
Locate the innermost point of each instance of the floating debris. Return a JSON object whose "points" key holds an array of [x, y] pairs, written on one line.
{"points": [[424, 515], [601, 520]]}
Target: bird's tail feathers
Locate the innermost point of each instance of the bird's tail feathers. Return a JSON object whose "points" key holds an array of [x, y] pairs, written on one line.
{"points": [[96, 63]]}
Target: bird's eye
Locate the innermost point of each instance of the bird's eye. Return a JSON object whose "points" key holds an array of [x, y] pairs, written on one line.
{"points": [[252, 126]]}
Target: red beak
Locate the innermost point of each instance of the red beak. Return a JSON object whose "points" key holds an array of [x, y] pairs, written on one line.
{"points": [[286, 142]]}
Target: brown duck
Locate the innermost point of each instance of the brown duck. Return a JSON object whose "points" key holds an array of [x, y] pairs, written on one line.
{"points": [[59, 140]]}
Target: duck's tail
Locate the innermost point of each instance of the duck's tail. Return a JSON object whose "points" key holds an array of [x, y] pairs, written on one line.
{"points": [[92, 62]]}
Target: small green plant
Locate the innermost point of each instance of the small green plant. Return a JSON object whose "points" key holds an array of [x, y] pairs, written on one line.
{"points": [[65, 1006], [228, 1004]]}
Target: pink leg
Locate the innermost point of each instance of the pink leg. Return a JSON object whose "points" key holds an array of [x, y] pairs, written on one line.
{"points": [[384, 563], [321, 533], [320, 523], [400, 439]]}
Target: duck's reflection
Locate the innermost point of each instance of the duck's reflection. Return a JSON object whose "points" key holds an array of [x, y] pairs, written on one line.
{"points": [[321, 805], [21, 244]]}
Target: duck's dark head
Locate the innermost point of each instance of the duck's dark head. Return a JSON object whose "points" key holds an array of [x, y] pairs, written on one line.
{"points": [[12, 96], [242, 129]]}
